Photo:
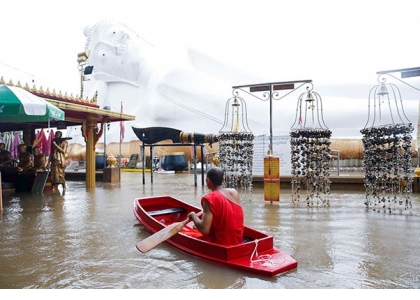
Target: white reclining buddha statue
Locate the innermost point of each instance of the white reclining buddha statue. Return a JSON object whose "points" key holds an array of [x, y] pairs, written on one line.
{"points": [[181, 89], [186, 89]]}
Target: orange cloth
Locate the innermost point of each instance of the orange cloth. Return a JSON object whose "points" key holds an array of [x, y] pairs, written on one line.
{"points": [[227, 227], [191, 231]]}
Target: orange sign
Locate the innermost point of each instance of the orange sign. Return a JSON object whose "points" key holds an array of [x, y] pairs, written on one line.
{"points": [[272, 189], [271, 167]]}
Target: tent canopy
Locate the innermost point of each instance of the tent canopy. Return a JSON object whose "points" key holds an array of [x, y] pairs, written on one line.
{"points": [[20, 106]]}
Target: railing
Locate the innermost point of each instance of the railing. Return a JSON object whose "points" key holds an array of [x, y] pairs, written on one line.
{"points": [[337, 158]]}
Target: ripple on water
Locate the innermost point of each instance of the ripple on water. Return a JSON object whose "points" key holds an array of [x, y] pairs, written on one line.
{"points": [[87, 239]]}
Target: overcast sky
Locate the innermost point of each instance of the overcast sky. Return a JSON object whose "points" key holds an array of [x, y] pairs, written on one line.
{"points": [[326, 41]]}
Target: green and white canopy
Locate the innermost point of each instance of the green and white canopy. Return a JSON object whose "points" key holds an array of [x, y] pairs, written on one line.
{"points": [[20, 106]]}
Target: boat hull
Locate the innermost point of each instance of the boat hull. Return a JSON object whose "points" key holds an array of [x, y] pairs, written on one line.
{"points": [[255, 255]]}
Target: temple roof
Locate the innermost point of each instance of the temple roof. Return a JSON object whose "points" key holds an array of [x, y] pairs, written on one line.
{"points": [[76, 109]]}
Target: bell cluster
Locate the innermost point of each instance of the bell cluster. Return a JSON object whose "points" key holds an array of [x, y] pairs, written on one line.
{"points": [[387, 164], [236, 150], [310, 166]]}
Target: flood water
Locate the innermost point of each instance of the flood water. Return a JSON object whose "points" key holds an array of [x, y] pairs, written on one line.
{"points": [[86, 240]]}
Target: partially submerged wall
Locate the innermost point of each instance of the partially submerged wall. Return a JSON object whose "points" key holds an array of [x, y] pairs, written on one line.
{"points": [[351, 150]]}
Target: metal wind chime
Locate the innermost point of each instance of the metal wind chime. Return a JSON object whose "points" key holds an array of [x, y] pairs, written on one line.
{"points": [[310, 152], [387, 151], [236, 147]]}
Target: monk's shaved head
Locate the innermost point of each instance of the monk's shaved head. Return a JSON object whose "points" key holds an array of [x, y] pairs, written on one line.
{"points": [[215, 175]]}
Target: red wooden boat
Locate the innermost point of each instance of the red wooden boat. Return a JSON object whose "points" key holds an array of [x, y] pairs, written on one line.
{"points": [[255, 255]]}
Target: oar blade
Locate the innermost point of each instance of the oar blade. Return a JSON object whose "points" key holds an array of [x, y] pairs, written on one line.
{"points": [[159, 237]]}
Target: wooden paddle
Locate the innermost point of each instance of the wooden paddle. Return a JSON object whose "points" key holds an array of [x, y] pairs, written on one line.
{"points": [[159, 237]]}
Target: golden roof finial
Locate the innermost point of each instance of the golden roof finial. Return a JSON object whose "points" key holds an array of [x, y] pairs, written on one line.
{"points": [[33, 89], [10, 83], [2, 80], [95, 98], [41, 90], [19, 84], [27, 87], [54, 93]]}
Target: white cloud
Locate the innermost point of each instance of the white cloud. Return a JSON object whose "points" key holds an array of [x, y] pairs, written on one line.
{"points": [[278, 40]]}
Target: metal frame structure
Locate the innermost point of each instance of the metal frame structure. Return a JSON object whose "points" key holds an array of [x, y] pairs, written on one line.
{"points": [[143, 148], [407, 72], [271, 90]]}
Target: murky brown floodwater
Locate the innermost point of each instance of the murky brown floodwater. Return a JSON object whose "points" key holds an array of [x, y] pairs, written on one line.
{"points": [[87, 240]]}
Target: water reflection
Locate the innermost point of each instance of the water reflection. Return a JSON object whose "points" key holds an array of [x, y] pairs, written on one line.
{"points": [[86, 239]]}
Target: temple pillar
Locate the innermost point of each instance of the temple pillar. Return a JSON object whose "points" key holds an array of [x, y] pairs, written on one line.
{"points": [[91, 133], [90, 152]]}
